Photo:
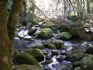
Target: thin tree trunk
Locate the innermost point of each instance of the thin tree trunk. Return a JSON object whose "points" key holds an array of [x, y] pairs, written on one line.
{"points": [[12, 23], [88, 6], [4, 40], [16, 8]]}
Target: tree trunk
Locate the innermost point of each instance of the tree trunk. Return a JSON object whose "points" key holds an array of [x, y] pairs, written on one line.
{"points": [[16, 8], [4, 40], [88, 6], [12, 22]]}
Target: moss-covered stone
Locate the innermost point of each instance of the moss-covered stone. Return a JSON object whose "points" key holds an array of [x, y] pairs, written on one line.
{"points": [[58, 43], [25, 58], [65, 36], [45, 33], [26, 67], [87, 62], [37, 53], [51, 46]]}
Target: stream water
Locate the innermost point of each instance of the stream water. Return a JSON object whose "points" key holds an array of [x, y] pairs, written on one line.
{"points": [[58, 62]]}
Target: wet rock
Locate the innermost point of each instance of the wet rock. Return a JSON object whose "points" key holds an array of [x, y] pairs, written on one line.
{"points": [[76, 64], [87, 62], [60, 58], [65, 36], [63, 52], [46, 67], [45, 33], [48, 56], [25, 58], [66, 65], [47, 42], [32, 31], [58, 43], [37, 53], [77, 68], [21, 45], [89, 50], [55, 36], [76, 54], [26, 67], [46, 62], [54, 52], [36, 44]]}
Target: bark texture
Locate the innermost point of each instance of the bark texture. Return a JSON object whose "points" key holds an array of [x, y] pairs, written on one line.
{"points": [[7, 32], [4, 40]]}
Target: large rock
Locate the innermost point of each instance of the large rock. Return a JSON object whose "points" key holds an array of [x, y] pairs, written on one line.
{"points": [[25, 58], [65, 36], [58, 43], [87, 62], [26, 67], [37, 53], [45, 33], [51, 46]]}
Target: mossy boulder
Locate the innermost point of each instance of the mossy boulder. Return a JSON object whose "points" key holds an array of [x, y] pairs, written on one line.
{"points": [[37, 53], [45, 33], [25, 58], [65, 36], [51, 46], [87, 62], [26, 67], [32, 31], [58, 43]]}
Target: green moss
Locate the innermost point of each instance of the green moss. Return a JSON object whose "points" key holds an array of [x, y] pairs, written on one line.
{"points": [[37, 53], [46, 33], [65, 36], [51, 46], [58, 43], [88, 62], [25, 58], [26, 67]]}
